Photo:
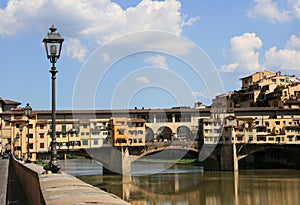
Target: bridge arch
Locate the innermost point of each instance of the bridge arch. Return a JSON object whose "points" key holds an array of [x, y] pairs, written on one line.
{"points": [[149, 134], [184, 133], [276, 154], [164, 133]]}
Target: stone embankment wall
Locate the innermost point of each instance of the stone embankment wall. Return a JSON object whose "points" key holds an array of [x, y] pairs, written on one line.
{"points": [[28, 175], [61, 188]]}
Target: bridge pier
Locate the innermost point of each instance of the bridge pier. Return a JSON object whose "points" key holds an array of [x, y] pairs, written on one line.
{"points": [[223, 158], [113, 160], [228, 159]]}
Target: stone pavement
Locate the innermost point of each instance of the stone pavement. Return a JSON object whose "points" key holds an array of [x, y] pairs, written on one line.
{"points": [[68, 190], [3, 180]]}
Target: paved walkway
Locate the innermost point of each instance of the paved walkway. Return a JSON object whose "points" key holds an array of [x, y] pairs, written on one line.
{"points": [[68, 190], [3, 180]]}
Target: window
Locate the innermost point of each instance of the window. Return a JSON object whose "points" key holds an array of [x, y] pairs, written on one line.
{"points": [[96, 142], [121, 131], [290, 137], [282, 80], [42, 145], [277, 122], [64, 128], [41, 127], [30, 135], [7, 123], [249, 129], [64, 135], [85, 125], [30, 126], [140, 140], [261, 138], [85, 142], [42, 135], [250, 138]]}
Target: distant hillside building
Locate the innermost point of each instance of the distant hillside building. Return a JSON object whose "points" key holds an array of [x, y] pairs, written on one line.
{"points": [[263, 89], [7, 105]]}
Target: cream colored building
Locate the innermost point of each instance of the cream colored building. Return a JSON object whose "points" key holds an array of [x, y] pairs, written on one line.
{"points": [[249, 128]]}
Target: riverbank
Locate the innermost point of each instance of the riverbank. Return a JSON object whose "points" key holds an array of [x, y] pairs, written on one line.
{"points": [[170, 161]]}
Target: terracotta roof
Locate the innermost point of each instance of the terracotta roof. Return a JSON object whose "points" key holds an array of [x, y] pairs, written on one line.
{"points": [[10, 102]]}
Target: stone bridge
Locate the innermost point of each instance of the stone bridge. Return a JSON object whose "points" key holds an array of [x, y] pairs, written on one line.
{"points": [[226, 157], [119, 159], [223, 157]]}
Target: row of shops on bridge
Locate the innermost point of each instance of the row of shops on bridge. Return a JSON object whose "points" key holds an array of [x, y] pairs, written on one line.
{"points": [[92, 129]]}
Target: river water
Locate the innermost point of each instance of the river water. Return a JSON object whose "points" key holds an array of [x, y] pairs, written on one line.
{"points": [[189, 184]]}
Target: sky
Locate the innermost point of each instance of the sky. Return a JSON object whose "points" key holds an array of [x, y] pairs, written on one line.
{"points": [[142, 53]]}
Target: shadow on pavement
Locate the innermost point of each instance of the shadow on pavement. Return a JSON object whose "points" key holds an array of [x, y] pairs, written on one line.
{"points": [[15, 192]]}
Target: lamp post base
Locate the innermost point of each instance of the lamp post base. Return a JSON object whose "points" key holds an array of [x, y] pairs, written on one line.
{"points": [[53, 167]]}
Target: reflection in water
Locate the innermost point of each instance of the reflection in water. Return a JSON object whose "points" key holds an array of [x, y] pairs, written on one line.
{"points": [[183, 184], [81, 167]]}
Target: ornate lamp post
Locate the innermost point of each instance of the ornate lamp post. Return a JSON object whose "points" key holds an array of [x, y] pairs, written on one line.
{"points": [[28, 111], [21, 130], [53, 44]]}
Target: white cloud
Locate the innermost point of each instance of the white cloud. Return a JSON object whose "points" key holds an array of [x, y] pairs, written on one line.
{"points": [[287, 58], [229, 67], [75, 49], [295, 7], [158, 60], [201, 94], [243, 55], [92, 21], [270, 10], [106, 57], [293, 43], [143, 80]]}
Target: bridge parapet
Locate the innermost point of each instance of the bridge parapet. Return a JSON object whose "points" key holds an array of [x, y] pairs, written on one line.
{"points": [[173, 144], [61, 188]]}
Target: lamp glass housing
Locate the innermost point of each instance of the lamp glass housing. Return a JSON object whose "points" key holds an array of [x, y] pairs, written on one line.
{"points": [[53, 44], [28, 110]]}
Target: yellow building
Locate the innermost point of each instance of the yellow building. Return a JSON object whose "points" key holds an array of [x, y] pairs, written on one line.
{"points": [[128, 132], [119, 130], [254, 78], [21, 133], [136, 132]]}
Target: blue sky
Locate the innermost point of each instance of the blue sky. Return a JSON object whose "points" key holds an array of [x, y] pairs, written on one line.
{"points": [[237, 37]]}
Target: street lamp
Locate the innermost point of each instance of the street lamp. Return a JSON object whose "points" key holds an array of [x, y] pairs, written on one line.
{"points": [[28, 111], [21, 130], [53, 44]]}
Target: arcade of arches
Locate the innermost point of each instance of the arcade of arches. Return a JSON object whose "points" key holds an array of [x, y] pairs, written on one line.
{"points": [[165, 133]]}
